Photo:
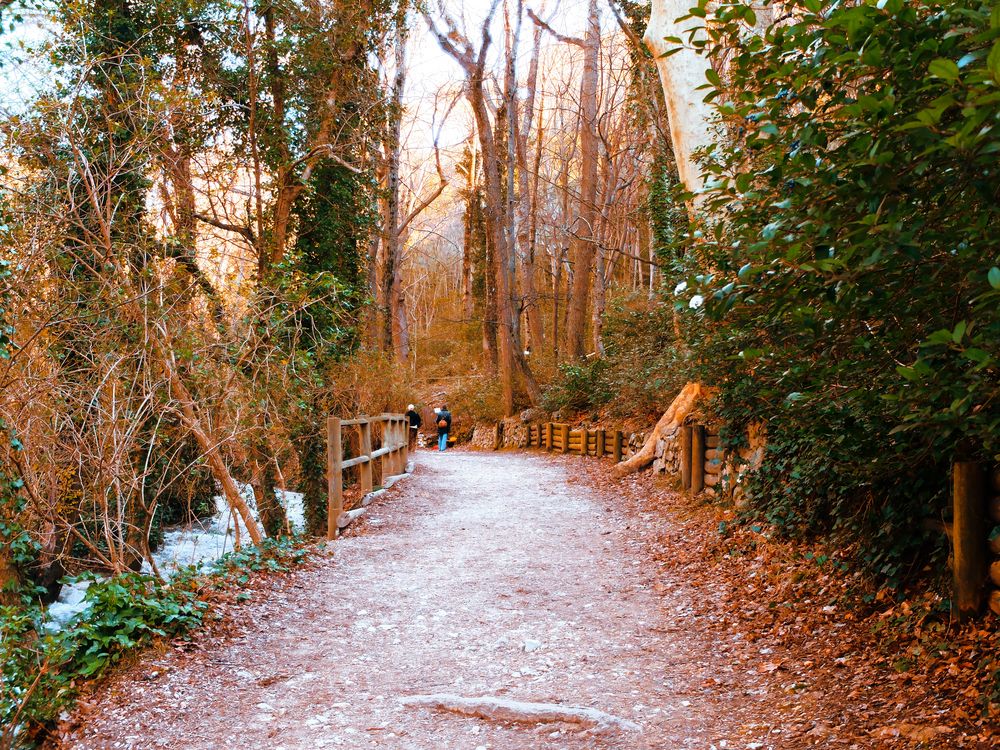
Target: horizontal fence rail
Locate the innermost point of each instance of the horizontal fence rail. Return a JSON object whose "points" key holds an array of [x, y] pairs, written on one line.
{"points": [[392, 451]]}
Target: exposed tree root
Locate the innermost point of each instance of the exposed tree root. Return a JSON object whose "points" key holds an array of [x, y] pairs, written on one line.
{"points": [[501, 709], [671, 420]]}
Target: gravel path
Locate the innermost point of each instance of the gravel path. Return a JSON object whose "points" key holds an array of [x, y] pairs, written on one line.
{"points": [[484, 574]]}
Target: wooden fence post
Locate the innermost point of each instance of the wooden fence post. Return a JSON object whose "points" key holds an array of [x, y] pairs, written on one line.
{"points": [[601, 436], [564, 429], [365, 469], [618, 446], [398, 441], [686, 459], [334, 476], [969, 533], [697, 458], [404, 436], [386, 460], [548, 435], [397, 449]]}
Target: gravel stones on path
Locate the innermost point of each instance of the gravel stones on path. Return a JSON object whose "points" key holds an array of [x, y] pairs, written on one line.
{"points": [[485, 574]]}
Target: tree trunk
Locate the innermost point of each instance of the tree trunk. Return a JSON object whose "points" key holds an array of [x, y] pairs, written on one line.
{"points": [[394, 337], [600, 300], [513, 365], [680, 75], [671, 420], [527, 200], [582, 250]]}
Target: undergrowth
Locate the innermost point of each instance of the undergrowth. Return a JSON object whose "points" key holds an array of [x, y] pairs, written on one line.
{"points": [[44, 669]]}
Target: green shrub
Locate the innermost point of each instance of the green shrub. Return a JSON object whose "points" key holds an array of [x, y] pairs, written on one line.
{"points": [[125, 613], [848, 288], [579, 387], [641, 371], [42, 669]]}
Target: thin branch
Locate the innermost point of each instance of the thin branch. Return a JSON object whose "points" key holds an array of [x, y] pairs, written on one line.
{"points": [[576, 41]]}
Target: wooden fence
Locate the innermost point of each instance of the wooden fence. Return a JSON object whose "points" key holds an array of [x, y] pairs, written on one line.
{"points": [[560, 438], [700, 458], [392, 449]]}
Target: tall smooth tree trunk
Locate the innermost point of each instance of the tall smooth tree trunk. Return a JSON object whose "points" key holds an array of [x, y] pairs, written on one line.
{"points": [[513, 365], [513, 213], [600, 299], [680, 75], [582, 250], [471, 211]]}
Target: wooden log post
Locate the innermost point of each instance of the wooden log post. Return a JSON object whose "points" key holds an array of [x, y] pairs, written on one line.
{"points": [[574, 441], [548, 436], [697, 458], [584, 439], [398, 452], [686, 437], [618, 446], [334, 476], [404, 446], [401, 442], [386, 460], [365, 469], [390, 443], [601, 437], [969, 532], [564, 433]]}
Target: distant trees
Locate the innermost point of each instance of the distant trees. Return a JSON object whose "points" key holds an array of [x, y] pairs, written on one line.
{"points": [[571, 144]]}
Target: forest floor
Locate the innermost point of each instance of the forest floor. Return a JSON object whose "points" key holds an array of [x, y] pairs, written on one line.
{"points": [[530, 578]]}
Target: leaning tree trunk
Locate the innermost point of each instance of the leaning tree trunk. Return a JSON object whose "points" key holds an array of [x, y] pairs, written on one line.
{"points": [[206, 441], [671, 420]]}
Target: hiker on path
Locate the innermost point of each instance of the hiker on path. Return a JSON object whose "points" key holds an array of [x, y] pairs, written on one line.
{"points": [[443, 418], [413, 417]]}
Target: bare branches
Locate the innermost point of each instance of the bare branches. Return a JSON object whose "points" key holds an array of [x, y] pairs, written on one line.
{"points": [[246, 232], [575, 41]]}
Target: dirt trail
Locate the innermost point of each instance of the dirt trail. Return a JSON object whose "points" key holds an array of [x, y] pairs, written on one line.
{"points": [[484, 574]]}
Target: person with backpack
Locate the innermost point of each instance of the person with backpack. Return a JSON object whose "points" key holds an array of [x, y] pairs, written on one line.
{"points": [[443, 417], [413, 422]]}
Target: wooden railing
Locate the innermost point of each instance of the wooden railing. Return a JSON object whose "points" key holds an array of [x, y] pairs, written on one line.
{"points": [[393, 453], [559, 437]]}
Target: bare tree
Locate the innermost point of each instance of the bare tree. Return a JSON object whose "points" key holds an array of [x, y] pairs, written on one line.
{"points": [[472, 59]]}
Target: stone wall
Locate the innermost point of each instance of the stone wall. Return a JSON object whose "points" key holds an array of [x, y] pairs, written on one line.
{"points": [[668, 454], [513, 433], [486, 437]]}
